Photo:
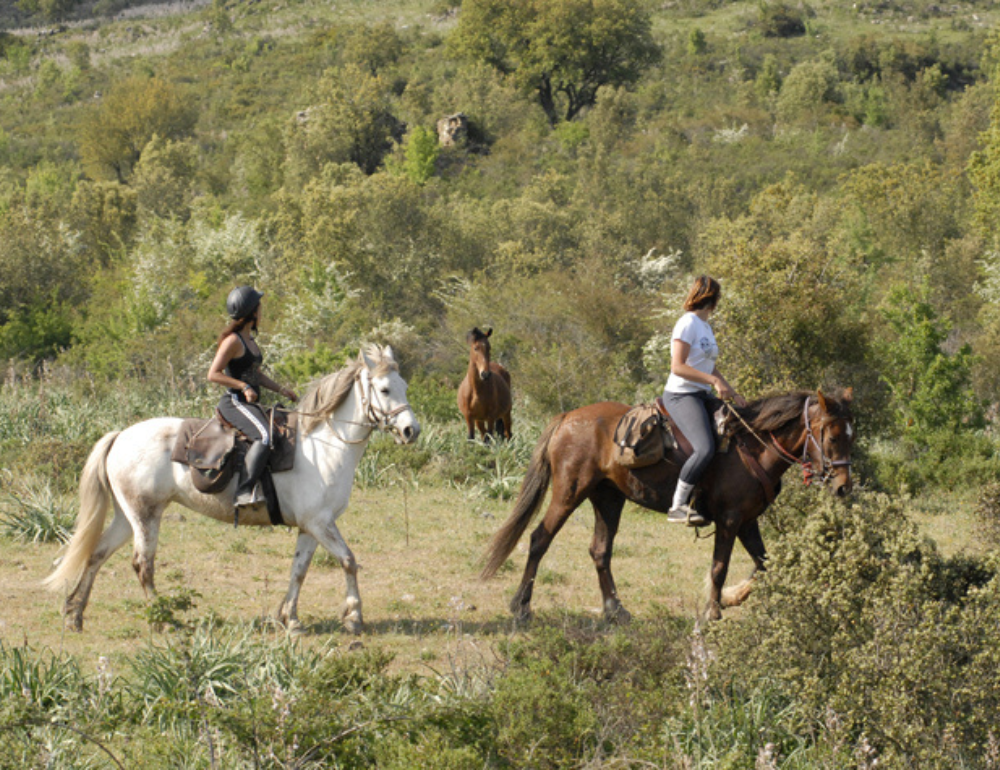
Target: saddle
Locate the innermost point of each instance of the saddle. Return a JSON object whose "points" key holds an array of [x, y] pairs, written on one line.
{"points": [[643, 437], [214, 451], [647, 433]]}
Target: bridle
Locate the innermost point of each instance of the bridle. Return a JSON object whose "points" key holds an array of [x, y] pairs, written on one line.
{"points": [[377, 416], [828, 466], [380, 417]]}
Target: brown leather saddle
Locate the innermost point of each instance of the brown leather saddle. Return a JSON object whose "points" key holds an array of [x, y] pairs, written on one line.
{"points": [[647, 434], [214, 451]]}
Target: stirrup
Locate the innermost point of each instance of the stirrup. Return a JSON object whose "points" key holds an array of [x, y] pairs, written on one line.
{"points": [[249, 497]]}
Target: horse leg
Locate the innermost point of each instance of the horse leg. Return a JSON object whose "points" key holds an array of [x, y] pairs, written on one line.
{"points": [[558, 512], [470, 425], [288, 612], [608, 506], [113, 538], [723, 551], [330, 538], [749, 536]]}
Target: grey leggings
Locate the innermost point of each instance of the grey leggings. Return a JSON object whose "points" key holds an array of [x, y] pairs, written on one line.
{"points": [[691, 413]]}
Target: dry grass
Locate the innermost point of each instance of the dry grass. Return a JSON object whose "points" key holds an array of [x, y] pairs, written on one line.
{"points": [[423, 601]]}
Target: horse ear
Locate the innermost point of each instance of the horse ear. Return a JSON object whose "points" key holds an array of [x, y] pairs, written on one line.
{"points": [[848, 395], [489, 331], [822, 400], [365, 359], [387, 354]]}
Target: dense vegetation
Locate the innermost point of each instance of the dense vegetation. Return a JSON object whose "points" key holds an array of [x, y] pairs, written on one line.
{"points": [[836, 166]]}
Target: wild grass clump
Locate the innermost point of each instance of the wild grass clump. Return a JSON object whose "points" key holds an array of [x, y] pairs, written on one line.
{"points": [[35, 513], [864, 637], [988, 513]]}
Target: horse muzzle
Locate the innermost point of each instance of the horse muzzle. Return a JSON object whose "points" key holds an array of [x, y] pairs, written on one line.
{"points": [[407, 433], [485, 375]]}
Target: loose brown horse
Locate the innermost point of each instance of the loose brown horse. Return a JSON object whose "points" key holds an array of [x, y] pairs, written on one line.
{"points": [[484, 395], [575, 454]]}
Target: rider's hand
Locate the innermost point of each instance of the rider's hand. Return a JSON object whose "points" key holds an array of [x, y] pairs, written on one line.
{"points": [[289, 394], [250, 394]]}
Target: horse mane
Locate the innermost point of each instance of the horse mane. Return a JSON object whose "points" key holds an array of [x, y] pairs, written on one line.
{"points": [[323, 397], [773, 413]]}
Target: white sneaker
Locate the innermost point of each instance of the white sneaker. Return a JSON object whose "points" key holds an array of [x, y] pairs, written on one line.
{"points": [[685, 514]]}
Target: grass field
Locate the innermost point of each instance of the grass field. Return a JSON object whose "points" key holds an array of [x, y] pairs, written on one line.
{"points": [[419, 555]]}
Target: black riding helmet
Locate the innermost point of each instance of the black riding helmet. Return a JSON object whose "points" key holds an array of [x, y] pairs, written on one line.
{"points": [[242, 301]]}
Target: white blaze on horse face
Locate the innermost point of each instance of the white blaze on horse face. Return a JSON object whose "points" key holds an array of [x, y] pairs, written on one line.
{"points": [[850, 430]]}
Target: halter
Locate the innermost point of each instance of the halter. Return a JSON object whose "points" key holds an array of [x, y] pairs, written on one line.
{"points": [[828, 465]]}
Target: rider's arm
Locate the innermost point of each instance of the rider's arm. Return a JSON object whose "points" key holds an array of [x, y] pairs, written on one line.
{"points": [[270, 384]]}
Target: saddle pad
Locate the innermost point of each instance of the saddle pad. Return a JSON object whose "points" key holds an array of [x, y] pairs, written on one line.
{"points": [[208, 444], [641, 437]]}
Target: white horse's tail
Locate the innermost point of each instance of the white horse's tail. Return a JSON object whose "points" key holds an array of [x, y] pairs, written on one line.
{"points": [[95, 496]]}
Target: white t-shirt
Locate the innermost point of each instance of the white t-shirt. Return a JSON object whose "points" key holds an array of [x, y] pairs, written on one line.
{"points": [[698, 334]]}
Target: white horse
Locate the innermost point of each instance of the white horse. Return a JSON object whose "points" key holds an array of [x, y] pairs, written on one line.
{"points": [[132, 470]]}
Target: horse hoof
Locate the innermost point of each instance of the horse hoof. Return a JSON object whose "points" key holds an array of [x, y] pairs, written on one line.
{"points": [[523, 616], [714, 612], [74, 624], [294, 627]]}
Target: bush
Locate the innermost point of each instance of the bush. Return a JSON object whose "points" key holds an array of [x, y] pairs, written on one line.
{"points": [[780, 20], [846, 627]]}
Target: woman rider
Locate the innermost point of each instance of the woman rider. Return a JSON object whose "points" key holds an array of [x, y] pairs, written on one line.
{"points": [[688, 392], [237, 366]]}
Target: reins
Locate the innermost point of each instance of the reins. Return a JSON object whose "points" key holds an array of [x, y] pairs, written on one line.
{"points": [[808, 474]]}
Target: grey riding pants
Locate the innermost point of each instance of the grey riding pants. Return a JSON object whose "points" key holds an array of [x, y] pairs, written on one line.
{"points": [[691, 413]]}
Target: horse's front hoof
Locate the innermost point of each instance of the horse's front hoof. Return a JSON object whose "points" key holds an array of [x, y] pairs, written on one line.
{"points": [[522, 615], [73, 623], [353, 624], [618, 615], [713, 611], [294, 628]]}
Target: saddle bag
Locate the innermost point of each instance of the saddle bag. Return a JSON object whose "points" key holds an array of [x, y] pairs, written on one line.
{"points": [[642, 437]]}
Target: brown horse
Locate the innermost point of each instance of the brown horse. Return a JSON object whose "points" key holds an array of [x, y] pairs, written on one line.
{"points": [[484, 395], [575, 454]]}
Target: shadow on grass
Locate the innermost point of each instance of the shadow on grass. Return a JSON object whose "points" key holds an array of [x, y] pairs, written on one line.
{"points": [[572, 623]]}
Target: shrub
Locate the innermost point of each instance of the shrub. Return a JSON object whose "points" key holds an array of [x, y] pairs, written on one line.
{"points": [[847, 625], [780, 20]]}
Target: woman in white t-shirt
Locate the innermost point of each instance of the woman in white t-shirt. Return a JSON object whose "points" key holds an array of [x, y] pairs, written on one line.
{"points": [[688, 391]]}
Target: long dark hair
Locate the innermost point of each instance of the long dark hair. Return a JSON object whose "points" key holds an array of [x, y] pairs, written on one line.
{"points": [[236, 326]]}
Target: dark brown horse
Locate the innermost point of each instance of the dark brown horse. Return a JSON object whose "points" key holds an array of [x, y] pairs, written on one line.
{"points": [[575, 454], [484, 395]]}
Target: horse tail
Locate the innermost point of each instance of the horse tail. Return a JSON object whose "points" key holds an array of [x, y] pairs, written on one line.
{"points": [[533, 489], [95, 496]]}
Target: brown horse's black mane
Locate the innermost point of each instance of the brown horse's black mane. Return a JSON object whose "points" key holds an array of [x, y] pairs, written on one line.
{"points": [[774, 413]]}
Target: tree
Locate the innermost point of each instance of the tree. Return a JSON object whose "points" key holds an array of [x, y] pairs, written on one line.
{"points": [[350, 121], [561, 50], [113, 136]]}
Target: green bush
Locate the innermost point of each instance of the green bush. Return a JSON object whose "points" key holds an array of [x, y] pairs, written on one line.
{"points": [[854, 614]]}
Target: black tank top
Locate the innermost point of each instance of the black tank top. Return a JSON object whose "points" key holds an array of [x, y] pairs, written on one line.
{"points": [[245, 368]]}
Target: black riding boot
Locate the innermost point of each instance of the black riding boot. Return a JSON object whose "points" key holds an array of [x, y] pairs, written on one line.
{"points": [[249, 492]]}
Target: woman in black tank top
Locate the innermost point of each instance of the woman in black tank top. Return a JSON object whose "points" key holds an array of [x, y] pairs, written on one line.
{"points": [[237, 366]]}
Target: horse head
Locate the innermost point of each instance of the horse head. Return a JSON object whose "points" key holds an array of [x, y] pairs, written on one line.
{"points": [[383, 391], [479, 351], [830, 439]]}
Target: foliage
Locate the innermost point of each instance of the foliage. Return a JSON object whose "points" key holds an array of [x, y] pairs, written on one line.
{"points": [[842, 632], [563, 51], [931, 389], [35, 513], [112, 136]]}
